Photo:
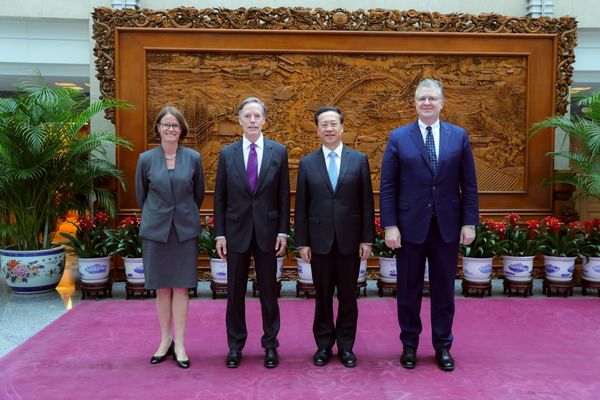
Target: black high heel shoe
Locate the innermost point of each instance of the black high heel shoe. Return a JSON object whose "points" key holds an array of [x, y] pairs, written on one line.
{"points": [[159, 359], [181, 364]]}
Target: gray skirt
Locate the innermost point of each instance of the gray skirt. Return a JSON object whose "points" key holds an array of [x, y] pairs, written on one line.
{"points": [[173, 264]]}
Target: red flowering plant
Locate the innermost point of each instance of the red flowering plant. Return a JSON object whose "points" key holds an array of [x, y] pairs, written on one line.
{"points": [[559, 239], [126, 239], [485, 243], [91, 238], [291, 247], [591, 237], [515, 241], [207, 241], [380, 249]]}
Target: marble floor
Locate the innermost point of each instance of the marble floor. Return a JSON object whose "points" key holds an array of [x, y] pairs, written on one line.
{"points": [[21, 316]]}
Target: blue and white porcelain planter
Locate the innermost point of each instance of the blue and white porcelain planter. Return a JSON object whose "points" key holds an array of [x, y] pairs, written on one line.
{"points": [[426, 273], [387, 269], [518, 268], [279, 268], [362, 272], [134, 269], [218, 270], [94, 270], [304, 271], [32, 271], [477, 269], [591, 269], [559, 269]]}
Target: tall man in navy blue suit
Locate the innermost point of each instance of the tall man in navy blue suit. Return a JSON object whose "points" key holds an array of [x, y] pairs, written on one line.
{"points": [[335, 231], [428, 200], [252, 217]]}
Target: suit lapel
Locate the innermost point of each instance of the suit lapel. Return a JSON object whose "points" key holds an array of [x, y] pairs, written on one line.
{"points": [[266, 161], [345, 162], [163, 172], [417, 138], [444, 140], [319, 159], [238, 160]]}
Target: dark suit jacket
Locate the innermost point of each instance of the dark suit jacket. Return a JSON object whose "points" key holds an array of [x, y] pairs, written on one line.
{"points": [[409, 188], [322, 213], [238, 211], [161, 205]]}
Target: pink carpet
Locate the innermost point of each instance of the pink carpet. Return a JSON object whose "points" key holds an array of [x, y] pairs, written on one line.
{"points": [[504, 349]]}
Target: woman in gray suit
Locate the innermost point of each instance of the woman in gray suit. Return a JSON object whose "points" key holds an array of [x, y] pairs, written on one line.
{"points": [[169, 186]]}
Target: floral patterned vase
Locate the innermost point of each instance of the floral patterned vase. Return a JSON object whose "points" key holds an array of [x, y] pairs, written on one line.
{"points": [[33, 271], [517, 268], [559, 268], [94, 270], [134, 269]]}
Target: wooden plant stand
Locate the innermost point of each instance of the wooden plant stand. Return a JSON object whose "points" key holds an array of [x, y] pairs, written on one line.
{"points": [[361, 285], [133, 288], [480, 288], [305, 287], [517, 286], [256, 289], [585, 285], [217, 287], [564, 287], [383, 285], [100, 289]]}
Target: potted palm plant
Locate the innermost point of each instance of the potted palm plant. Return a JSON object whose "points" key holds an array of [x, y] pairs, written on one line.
{"points": [[518, 247], [477, 257], [49, 165]]}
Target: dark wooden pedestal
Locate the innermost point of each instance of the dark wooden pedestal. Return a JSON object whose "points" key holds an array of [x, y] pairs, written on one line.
{"points": [[566, 288], [480, 288], [131, 289], [382, 286], [193, 291], [101, 289], [585, 285], [517, 286], [361, 285], [256, 289], [305, 287], [217, 287]]}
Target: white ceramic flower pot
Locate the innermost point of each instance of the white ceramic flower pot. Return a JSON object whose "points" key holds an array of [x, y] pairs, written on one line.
{"points": [[304, 271], [426, 274], [387, 269], [477, 269], [134, 270], [591, 269], [218, 270], [33, 271], [518, 268], [279, 268], [94, 270], [559, 268], [362, 272]]}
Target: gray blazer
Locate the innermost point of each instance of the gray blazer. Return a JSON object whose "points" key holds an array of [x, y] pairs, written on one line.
{"points": [[162, 204]]}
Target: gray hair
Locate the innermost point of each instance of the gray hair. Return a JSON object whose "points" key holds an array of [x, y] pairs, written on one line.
{"points": [[429, 82], [252, 100]]}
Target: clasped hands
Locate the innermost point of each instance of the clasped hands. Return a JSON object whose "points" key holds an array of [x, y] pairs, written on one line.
{"points": [[280, 245], [364, 252], [393, 238]]}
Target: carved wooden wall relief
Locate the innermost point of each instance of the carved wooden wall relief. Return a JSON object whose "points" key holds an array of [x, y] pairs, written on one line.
{"points": [[375, 92]]}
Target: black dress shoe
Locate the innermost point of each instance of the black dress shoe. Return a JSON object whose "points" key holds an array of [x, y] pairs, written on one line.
{"points": [[444, 359], [271, 358], [321, 357], [408, 359], [159, 359], [181, 363], [348, 358], [234, 357]]}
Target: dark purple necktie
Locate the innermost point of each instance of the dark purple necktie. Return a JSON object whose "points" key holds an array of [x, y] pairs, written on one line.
{"points": [[252, 168]]}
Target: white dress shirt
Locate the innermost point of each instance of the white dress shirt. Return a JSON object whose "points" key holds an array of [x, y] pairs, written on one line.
{"points": [[338, 158], [260, 145], [435, 130]]}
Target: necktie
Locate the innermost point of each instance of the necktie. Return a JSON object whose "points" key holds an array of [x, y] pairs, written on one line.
{"points": [[252, 168], [332, 170], [430, 147]]}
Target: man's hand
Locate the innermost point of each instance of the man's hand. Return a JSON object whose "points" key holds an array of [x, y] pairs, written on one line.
{"points": [[392, 237], [222, 248], [280, 245], [306, 254], [364, 251], [467, 235]]}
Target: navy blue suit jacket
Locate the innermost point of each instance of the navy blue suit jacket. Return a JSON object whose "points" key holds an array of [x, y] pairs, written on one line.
{"points": [[409, 189]]}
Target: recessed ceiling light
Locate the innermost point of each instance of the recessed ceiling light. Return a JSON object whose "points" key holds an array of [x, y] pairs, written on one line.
{"points": [[87, 84], [581, 88], [64, 84]]}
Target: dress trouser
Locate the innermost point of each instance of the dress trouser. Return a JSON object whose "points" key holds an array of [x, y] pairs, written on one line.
{"points": [[443, 259], [330, 271], [265, 266]]}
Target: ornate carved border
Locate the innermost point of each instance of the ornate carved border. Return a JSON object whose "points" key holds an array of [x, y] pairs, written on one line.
{"points": [[106, 21]]}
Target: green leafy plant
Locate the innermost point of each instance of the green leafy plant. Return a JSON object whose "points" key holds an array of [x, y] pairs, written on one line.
{"points": [[291, 247], [49, 164], [485, 243], [126, 238], [207, 242], [92, 238], [380, 249], [583, 132], [515, 241], [559, 239]]}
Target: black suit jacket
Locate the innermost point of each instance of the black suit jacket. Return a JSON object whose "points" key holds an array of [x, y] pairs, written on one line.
{"points": [[238, 211], [346, 213]]}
